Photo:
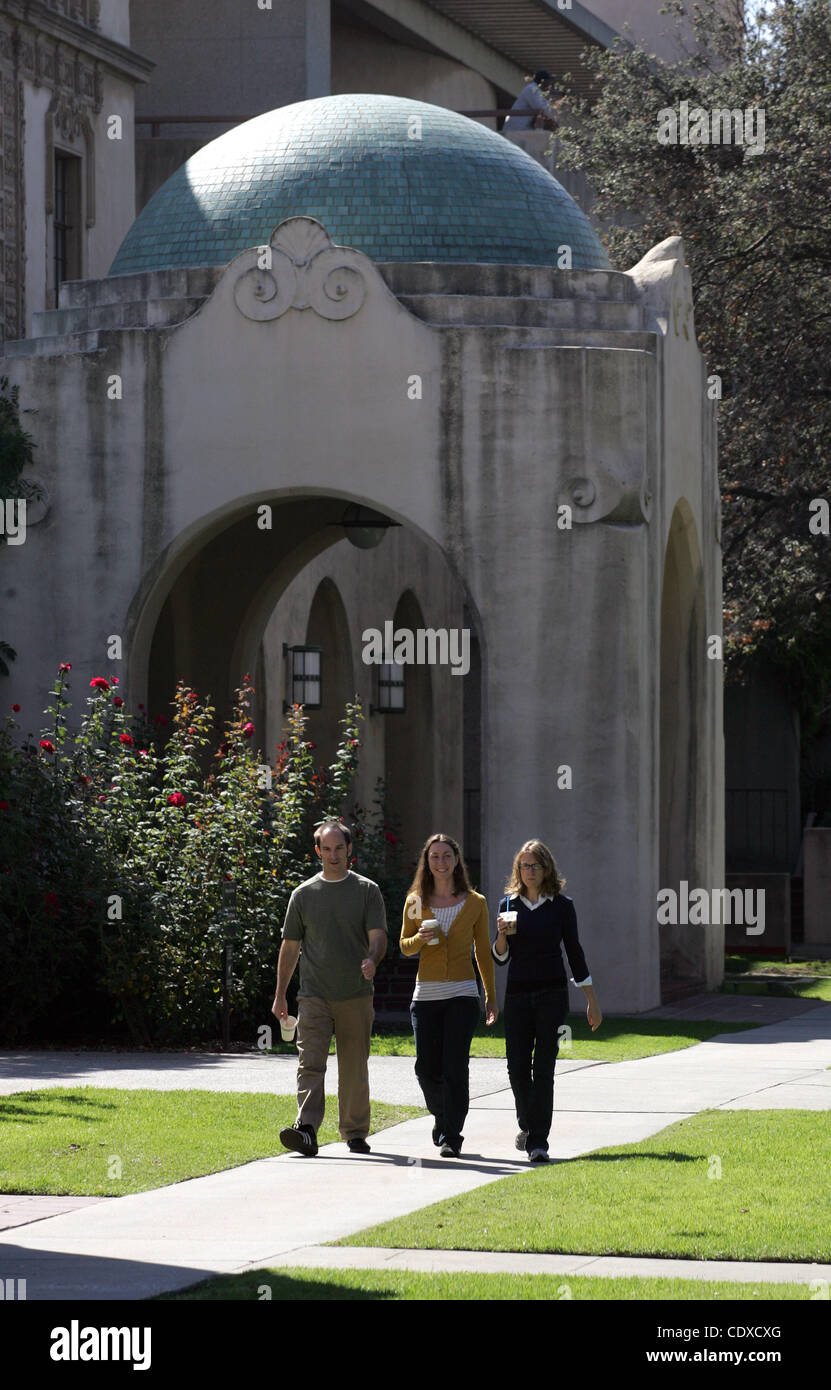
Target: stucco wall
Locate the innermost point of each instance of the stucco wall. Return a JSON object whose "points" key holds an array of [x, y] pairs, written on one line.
{"points": [[225, 58], [365, 62]]}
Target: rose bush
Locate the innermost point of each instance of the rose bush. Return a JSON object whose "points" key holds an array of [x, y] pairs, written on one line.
{"points": [[118, 846]]}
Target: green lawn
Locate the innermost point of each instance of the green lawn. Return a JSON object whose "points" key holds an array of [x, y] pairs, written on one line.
{"points": [[784, 970], [71, 1140], [774, 965], [771, 1202], [288, 1285], [617, 1039]]}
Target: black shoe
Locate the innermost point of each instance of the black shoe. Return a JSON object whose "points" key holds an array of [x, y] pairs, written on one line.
{"points": [[300, 1138], [451, 1148], [538, 1156], [358, 1146], [438, 1137]]}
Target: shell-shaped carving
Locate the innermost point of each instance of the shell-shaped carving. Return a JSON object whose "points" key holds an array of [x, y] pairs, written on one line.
{"points": [[336, 289], [266, 294], [300, 238]]}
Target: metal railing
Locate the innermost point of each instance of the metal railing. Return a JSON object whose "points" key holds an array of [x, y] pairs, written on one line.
{"points": [[156, 122]]}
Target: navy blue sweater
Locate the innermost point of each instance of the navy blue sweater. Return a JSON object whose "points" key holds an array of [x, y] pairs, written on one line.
{"points": [[535, 960]]}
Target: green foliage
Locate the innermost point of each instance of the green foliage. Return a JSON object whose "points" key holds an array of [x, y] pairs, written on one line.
{"points": [[118, 850], [757, 235]]}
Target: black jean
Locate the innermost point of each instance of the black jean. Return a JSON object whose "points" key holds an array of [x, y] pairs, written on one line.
{"points": [[443, 1030], [531, 1044]]}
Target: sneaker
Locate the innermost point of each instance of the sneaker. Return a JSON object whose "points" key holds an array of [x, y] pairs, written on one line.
{"points": [[358, 1146], [519, 1142], [538, 1156], [300, 1138], [449, 1149]]}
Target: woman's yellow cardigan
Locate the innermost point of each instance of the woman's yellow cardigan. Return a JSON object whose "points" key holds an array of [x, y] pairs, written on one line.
{"points": [[450, 960]]}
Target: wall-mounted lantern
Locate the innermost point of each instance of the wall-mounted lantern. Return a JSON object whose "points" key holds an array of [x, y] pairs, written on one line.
{"points": [[390, 690]]}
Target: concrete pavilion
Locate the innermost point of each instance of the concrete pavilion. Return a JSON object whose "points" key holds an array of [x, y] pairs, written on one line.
{"points": [[540, 434]]}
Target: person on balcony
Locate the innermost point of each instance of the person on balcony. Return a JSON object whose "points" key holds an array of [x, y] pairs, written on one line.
{"points": [[533, 102]]}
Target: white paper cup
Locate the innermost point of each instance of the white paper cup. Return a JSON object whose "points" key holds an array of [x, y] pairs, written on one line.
{"points": [[431, 922], [509, 922], [287, 1029]]}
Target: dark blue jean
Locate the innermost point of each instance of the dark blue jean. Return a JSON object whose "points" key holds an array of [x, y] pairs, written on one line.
{"points": [[443, 1030], [531, 1044]]}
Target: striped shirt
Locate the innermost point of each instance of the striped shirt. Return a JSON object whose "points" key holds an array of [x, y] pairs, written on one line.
{"points": [[445, 989]]}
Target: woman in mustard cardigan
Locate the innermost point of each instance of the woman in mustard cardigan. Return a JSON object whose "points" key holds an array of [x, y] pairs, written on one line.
{"points": [[445, 1006]]}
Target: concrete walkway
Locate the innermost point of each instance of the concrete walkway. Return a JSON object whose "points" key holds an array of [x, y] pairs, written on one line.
{"points": [[277, 1210]]}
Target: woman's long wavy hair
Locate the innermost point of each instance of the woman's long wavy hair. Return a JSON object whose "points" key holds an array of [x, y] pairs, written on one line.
{"points": [[423, 884], [552, 881]]}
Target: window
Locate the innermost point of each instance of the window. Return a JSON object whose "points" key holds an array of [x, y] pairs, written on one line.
{"points": [[67, 218]]}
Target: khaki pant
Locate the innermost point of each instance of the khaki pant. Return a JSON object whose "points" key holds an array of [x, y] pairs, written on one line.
{"points": [[351, 1021]]}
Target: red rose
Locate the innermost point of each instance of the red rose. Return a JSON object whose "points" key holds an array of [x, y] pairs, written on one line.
{"points": [[102, 797], [65, 666], [117, 701], [15, 708], [125, 738], [141, 706], [114, 680], [47, 746], [98, 683], [176, 799], [390, 838], [160, 719], [248, 729], [143, 753]]}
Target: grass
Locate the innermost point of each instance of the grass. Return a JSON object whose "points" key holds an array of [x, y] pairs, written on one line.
{"points": [[657, 1197], [73, 1140], [775, 965], [784, 971], [290, 1285], [617, 1040]]}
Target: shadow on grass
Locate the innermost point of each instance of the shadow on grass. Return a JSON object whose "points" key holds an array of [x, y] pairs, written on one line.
{"points": [[22, 1107], [265, 1286]]}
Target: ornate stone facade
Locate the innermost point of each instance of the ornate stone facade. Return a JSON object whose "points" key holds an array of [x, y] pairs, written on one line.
{"points": [[56, 44]]}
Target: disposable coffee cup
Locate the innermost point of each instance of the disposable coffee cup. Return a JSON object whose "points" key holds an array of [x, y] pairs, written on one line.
{"points": [[287, 1028], [509, 922], [431, 922]]}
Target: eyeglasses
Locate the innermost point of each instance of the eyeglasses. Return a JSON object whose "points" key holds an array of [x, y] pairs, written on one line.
{"points": [[529, 867]]}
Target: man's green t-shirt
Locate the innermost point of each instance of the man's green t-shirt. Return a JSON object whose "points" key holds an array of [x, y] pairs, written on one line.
{"points": [[333, 920]]}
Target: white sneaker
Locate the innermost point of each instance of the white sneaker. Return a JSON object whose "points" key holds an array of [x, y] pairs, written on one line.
{"points": [[520, 1140]]}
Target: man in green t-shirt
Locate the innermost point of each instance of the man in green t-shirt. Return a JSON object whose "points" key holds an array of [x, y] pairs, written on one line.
{"points": [[338, 919]]}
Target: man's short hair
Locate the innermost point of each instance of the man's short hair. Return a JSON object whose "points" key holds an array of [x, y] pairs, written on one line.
{"points": [[543, 78], [332, 823]]}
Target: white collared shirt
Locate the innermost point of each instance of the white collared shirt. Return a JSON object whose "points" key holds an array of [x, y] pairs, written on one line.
{"points": [[545, 898]]}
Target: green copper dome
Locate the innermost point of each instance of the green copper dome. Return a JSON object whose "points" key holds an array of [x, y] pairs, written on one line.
{"points": [[460, 192]]}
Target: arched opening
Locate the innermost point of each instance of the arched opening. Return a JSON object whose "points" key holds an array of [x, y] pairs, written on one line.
{"points": [[239, 600], [328, 629], [413, 756], [682, 707]]}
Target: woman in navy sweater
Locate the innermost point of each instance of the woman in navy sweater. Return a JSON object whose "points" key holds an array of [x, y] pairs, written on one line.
{"points": [[536, 995]]}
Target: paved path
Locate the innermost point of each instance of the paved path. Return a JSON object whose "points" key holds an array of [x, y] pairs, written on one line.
{"points": [[598, 1266], [273, 1209]]}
